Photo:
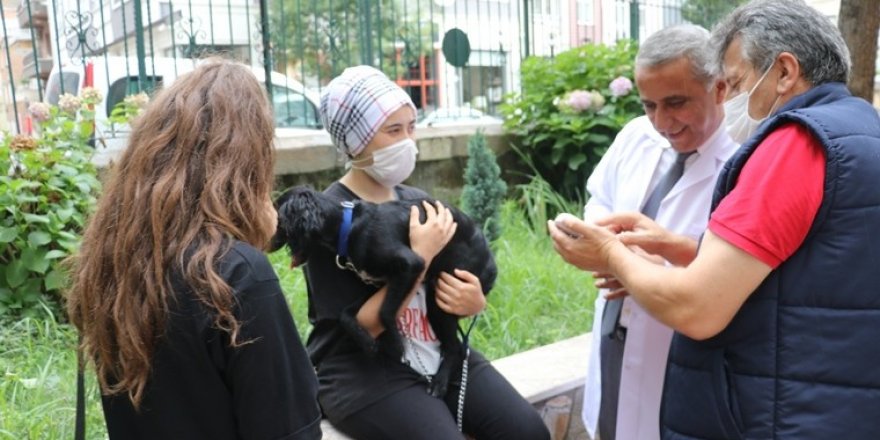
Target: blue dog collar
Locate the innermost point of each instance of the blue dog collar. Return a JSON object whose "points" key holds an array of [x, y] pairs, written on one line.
{"points": [[345, 228]]}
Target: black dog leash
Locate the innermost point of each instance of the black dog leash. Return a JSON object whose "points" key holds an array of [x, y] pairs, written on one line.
{"points": [[79, 430], [465, 336]]}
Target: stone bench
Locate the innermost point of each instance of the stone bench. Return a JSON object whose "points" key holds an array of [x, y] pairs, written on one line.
{"points": [[550, 377]]}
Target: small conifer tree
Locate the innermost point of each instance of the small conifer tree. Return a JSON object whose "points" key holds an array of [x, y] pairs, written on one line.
{"points": [[483, 190]]}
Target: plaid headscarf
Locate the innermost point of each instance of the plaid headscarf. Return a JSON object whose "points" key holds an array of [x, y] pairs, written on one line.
{"points": [[356, 103]]}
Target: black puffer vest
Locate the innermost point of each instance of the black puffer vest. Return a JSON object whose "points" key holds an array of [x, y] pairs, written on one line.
{"points": [[801, 358]]}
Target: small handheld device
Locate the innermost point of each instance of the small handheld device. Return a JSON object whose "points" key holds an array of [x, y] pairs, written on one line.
{"points": [[559, 224]]}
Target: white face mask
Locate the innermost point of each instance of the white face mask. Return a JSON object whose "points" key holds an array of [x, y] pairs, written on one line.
{"points": [[740, 124], [392, 164]]}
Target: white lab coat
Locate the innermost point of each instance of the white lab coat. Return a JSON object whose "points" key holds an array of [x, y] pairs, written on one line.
{"points": [[620, 183]]}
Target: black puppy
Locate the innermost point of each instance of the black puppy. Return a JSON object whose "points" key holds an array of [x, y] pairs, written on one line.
{"points": [[378, 249]]}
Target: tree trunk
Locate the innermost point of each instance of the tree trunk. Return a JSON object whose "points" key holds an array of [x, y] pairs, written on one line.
{"points": [[859, 21]]}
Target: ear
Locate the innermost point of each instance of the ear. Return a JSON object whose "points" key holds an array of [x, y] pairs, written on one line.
{"points": [[789, 75], [281, 237], [304, 215], [719, 89]]}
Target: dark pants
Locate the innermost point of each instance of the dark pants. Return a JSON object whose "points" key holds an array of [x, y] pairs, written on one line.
{"points": [[611, 364], [493, 410]]}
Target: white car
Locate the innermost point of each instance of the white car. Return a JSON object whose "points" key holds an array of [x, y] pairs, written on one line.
{"points": [[455, 116]]}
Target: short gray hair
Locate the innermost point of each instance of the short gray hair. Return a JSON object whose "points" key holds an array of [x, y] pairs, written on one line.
{"points": [[769, 27], [675, 42]]}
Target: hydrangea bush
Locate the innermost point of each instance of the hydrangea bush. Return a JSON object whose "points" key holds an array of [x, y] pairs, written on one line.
{"points": [[48, 185], [570, 109]]}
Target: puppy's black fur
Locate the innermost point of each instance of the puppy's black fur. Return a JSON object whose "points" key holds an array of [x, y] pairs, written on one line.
{"points": [[378, 245]]}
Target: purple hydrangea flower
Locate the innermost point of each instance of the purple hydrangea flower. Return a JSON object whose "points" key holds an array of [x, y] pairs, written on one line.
{"points": [[620, 86]]}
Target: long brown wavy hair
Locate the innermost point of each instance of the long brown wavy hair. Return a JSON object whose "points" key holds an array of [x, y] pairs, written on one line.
{"points": [[197, 172]]}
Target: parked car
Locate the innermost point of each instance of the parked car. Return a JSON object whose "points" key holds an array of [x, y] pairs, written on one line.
{"points": [[451, 116], [117, 77]]}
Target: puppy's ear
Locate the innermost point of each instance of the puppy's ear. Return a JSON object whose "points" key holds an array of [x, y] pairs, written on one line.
{"points": [[281, 237], [303, 214]]}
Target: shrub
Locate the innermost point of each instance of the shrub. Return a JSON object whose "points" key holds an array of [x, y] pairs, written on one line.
{"points": [[483, 189], [539, 202], [48, 185], [570, 109]]}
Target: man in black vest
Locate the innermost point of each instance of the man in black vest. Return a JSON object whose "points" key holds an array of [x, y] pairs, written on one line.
{"points": [[777, 315]]}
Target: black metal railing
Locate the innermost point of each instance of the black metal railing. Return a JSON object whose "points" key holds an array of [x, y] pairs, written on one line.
{"points": [[121, 47]]}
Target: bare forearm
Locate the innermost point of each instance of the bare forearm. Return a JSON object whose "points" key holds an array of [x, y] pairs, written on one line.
{"points": [[657, 288], [699, 300], [368, 314], [681, 251]]}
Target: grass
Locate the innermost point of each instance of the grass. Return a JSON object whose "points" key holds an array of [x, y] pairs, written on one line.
{"points": [[537, 299], [38, 383]]}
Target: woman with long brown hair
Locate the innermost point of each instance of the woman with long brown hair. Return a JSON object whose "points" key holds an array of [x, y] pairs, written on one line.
{"points": [[178, 308]]}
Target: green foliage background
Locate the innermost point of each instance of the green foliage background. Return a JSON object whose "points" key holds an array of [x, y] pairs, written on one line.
{"points": [[320, 38], [564, 147], [46, 192], [707, 13], [483, 190]]}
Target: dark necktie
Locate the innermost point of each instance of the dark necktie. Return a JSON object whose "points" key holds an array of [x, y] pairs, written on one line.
{"points": [[611, 315]]}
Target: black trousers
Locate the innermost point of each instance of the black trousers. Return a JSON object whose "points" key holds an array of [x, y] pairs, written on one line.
{"points": [[493, 410], [611, 364]]}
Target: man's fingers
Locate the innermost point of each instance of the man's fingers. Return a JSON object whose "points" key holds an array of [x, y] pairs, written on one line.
{"points": [[639, 239], [616, 294], [622, 221]]}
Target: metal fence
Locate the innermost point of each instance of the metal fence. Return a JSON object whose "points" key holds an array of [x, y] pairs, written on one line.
{"points": [[454, 57]]}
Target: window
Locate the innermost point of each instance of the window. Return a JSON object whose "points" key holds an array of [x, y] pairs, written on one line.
{"points": [[585, 12], [543, 7], [292, 109]]}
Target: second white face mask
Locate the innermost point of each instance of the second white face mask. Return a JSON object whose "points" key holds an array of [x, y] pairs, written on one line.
{"points": [[392, 164], [740, 124]]}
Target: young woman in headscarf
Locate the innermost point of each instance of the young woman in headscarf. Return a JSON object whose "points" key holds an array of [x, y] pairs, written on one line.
{"points": [[178, 307], [371, 121]]}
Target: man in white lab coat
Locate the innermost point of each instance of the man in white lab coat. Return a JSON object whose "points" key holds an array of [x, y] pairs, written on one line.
{"points": [[683, 100]]}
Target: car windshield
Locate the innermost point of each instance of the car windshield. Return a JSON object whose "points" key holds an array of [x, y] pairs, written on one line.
{"points": [[292, 109], [59, 83]]}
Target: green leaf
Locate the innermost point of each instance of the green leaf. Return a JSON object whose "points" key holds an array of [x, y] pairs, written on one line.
{"points": [[55, 253], [575, 161], [16, 273], [39, 238], [34, 218], [35, 260], [55, 280], [7, 235]]}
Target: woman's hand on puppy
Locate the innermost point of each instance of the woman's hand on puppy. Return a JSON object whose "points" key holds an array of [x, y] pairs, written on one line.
{"points": [[460, 293], [429, 238]]}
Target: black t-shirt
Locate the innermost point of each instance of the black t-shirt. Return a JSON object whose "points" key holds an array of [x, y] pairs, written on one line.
{"points": [[348, 378], [201, 388]]}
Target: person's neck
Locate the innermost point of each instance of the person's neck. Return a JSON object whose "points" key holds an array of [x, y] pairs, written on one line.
{"points": [[366, 188]]}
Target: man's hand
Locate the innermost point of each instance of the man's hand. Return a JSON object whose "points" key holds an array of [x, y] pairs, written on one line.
{"points": [[616, 289], [590, 250], [460, 294], [637, 229]]}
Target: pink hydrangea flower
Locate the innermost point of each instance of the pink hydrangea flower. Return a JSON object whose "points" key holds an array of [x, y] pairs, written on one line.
{"points": [[620, 86], [39, 111], [579, 100], [69, 104]]}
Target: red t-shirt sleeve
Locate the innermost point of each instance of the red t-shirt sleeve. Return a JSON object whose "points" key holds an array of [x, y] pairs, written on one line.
{"points": [[770, 210]]}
